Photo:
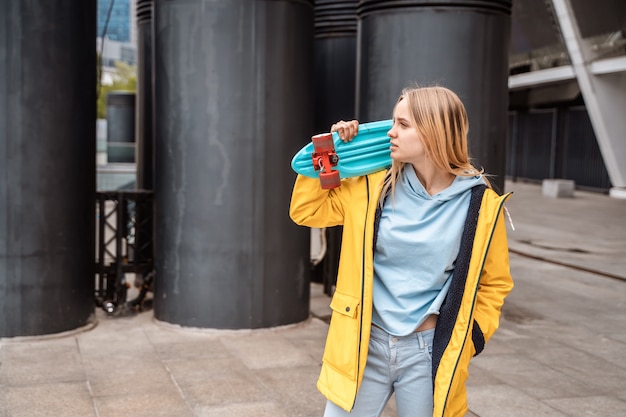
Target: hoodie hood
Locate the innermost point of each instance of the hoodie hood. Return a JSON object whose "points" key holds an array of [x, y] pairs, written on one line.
{"points": [[459, 186]]}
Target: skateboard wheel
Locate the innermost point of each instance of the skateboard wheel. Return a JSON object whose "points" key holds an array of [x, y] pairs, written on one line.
{"points": [[330, 180], [323, 143]]}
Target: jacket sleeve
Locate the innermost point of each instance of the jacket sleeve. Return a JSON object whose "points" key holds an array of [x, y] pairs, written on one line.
{"points": [[495, 283], [314, 207]]}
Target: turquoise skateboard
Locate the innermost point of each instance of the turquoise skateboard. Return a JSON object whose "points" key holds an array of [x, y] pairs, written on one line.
{"points": [[367, 153]]}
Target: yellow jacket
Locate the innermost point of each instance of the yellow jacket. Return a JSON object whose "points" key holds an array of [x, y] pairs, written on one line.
{"points": [[469, 317]]}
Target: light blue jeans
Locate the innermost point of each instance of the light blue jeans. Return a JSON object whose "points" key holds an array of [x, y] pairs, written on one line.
{"points": [[395, 364]]}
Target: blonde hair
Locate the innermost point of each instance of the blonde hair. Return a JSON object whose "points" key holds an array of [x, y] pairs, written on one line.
{"points": [[440, 119]]}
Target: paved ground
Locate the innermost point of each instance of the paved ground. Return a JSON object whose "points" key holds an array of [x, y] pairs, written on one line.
{"points": [[560, 351]]}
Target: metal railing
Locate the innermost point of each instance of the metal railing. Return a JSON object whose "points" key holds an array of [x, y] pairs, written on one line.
{"points": [[556, 142], [124, 246]]}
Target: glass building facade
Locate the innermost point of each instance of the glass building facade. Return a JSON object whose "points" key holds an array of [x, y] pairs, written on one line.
{"points": [[118, 27]]}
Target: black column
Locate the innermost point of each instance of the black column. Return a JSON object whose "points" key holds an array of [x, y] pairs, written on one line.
{"points": [[121, 142], [335, 86], [144, 103], [47, 165], [144, 135], [462, 45], [335, 62], [233, 94]]}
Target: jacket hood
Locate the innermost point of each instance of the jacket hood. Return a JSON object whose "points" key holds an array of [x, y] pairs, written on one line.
{"points": [[459, 185]]}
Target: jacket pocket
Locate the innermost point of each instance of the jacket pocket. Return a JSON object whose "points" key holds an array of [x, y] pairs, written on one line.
{"points": [[478, 338], [342, 344], [344, 304]]}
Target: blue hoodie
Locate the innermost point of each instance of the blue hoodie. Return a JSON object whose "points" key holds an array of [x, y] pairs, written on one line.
{"points": [[417, 244]]}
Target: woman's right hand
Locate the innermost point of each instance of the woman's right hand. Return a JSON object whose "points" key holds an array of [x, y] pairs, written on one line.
{"points": [[346, 130]]}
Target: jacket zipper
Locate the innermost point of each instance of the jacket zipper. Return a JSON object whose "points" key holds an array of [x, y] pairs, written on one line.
{"points": [[471, 320], [358, 369]]}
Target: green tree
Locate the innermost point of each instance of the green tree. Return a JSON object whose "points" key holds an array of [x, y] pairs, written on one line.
{"points": [[124, 79]]}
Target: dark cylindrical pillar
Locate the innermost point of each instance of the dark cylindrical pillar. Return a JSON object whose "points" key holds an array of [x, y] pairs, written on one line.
{"points": [[335, 62], [47, 197], [335, 86], [462, 45], [143, 104], [121, 126], [233, 95], [144, 150]]}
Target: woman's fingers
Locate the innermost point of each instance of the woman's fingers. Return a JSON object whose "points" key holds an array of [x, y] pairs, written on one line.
{"points": [[346, 130]]}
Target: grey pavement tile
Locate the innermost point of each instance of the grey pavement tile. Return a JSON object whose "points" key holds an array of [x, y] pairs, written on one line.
{"points": [[390, 408], [159, 332], [309, 338], [197, 369], [320, 302], [583, 214], [532, 377], [215, 381], [550, 335], [596, 373], [570, 305], [515, 309], [194, 349], [543, 383], [118, 376], [546, 302], [610, 323], [48, 400], [111, 339], [506, 401], [572, 292], [55, 360], [164, 402], [293, 388], [479, 376], [619, 336], [131, 346], [312, 329], [512, 338], [581, 295], [223, 389], [313, 348], [541, 298], [116, 325], [295, 391], [244, 409], [505, 365], [267, 349], [595, 342], [3, 400], [590, 406]]}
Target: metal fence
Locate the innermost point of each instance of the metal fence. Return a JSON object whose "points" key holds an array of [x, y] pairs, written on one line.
{"points": [[555, 143], [124, 246]]}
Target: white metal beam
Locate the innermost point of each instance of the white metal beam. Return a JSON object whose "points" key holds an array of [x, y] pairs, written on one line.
{"points": [[608, 66], [602, 87], [536, 78]]}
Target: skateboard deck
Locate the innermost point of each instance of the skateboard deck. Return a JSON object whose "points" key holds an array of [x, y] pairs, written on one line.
{"points": [[329, 158]]}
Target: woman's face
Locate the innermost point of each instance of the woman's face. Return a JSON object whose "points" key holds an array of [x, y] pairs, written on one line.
{"points": [[406, 145]]}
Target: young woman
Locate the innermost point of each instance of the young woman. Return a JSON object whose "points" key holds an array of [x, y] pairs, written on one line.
{"points": [[424, 266]]}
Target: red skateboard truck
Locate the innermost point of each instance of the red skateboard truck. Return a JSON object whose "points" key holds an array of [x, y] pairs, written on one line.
{"points": [[330, 159], [324, 158]]}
